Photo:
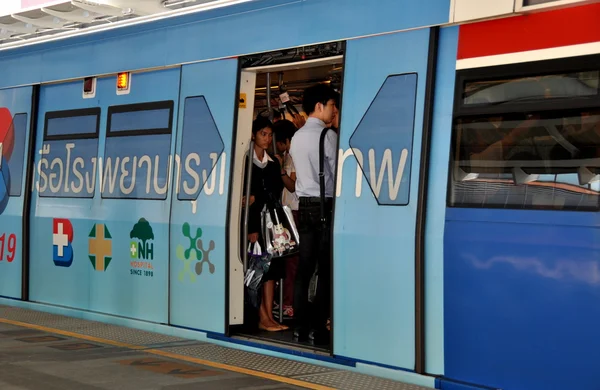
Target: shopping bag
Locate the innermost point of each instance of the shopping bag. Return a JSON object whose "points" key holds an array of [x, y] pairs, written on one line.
{"points": [[258, 266], [280, 232]]}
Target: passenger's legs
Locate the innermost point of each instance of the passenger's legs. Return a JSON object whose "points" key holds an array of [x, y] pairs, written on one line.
{"points": [[291, 267], [308, 215], [266, 307], [323, 298]]}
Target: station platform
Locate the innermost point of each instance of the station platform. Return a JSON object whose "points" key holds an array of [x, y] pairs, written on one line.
{"points": [[40, 350]]}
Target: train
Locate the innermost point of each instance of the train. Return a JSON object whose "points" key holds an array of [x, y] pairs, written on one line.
{"points": [[466, 230]]}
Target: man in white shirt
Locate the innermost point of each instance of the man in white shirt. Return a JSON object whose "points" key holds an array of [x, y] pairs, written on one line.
{"points": [[320, 103]]}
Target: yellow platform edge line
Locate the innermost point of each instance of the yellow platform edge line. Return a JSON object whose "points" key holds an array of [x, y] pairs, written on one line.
{"points": [[222, 366]]}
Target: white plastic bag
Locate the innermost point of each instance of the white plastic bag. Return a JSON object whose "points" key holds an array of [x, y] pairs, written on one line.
{"points": [[280, 232]]}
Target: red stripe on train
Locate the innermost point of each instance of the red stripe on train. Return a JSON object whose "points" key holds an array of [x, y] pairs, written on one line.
{"points": [[543, 30]]}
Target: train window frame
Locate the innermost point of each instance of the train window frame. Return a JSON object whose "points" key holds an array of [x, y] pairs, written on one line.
{"points": [[137, 107], [521, 70], [513, 71], [97, 111], [73, 113], [179, 182]]}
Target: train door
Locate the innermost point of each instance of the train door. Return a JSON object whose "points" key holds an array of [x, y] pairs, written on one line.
{"points": [[378, 192], [101, 201], [273, 91], [199, 206], [15, 119]]}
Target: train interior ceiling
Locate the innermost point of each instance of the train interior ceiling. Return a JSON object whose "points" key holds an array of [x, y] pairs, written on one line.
{"points": [[282, 82], [293, 82]]}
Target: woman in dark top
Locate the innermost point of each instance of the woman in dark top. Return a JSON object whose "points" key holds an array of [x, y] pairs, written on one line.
{"points": [[265, 189]]}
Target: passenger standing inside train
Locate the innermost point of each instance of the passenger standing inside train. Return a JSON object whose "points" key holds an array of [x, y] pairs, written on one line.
{"points": [[284, 131], [320, 104], [265, 190]]}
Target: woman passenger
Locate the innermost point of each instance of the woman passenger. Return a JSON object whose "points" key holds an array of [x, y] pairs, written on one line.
{"points": [[265, 190]]}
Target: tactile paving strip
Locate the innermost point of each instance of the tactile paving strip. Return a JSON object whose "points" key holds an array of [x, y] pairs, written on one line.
{"points": [[90, 328], [301, 371], [309, 373], [249, 360], [353, 381]]}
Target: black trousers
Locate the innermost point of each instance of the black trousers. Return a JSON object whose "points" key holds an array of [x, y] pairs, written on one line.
{"points": [[315, 248]]}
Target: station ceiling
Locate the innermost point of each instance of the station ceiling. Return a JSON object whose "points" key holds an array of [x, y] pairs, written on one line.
{"points": [[53, 20]]}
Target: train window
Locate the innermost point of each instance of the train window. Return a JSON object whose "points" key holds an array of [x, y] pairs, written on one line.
{"points": [[145, 120], [137, 151], [537, 2], [69, 154], [382, 141], [15, 157], [511, 90], [201, 149], [546, 159], [72, 125]]}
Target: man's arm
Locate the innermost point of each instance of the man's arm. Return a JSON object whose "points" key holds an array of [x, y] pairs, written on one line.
{"points": [[331, 150]]}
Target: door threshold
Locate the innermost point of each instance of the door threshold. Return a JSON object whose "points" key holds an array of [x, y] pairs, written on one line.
{"points": [[283, 344], [286, 347]]}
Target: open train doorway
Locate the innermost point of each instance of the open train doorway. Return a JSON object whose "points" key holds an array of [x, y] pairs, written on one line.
{"points": [[271, 87]]}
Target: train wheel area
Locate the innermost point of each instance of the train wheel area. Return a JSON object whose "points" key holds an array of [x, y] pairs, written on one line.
{"points": [[39, 350]]}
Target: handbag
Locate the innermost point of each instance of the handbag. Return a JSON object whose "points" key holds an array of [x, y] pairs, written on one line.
{"points": [[258, 266], [280, 231]]}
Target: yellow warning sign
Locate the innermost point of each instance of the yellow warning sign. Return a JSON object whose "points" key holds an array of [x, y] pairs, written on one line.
{"points": [[242, 100]]}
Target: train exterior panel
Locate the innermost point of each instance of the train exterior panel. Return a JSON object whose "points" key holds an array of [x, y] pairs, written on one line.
{"points": [[520, 269], [119, 206]]}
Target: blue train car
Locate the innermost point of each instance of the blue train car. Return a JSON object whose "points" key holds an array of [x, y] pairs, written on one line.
{"points": [[465, 222]]}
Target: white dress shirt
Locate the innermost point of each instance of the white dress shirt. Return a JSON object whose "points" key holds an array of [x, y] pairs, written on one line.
{"points": [[305, 153], [289, 198]]}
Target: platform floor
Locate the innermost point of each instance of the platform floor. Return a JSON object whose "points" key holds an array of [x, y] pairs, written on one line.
{"points": [[40, 350]]}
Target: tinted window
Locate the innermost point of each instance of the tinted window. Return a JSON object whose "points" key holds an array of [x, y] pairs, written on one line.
{"points": [[69, 160], [17, 157], [567, 85], [383, 140], [137, 156], [72, 125], [548, 159], [537, 2], [201, 148], [140, 120]]}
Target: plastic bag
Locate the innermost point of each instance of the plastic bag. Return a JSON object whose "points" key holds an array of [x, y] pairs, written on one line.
{"points": [[312, 286], [280, 232], [258, 266]]}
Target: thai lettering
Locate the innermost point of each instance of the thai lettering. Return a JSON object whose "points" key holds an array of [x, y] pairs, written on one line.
{"points": [[66, 169], [70, 169]]}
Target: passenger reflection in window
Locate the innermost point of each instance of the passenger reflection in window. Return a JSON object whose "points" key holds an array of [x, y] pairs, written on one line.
{"points": [[504, 143], [546, 159]]}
